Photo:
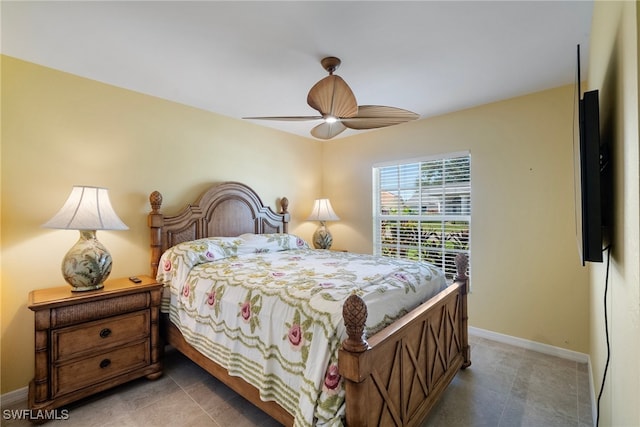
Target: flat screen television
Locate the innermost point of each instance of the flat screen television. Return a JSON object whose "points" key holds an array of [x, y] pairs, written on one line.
{"points": [[591, 168]]}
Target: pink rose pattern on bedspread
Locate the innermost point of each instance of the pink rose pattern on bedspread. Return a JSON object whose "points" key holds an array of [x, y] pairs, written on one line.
{"points": [[269, 309]]}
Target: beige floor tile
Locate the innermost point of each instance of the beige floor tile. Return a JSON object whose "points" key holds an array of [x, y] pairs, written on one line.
{"points": [[505, 386]]}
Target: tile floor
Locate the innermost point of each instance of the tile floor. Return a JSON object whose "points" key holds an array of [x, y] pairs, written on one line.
{"points": [[505, 386]]}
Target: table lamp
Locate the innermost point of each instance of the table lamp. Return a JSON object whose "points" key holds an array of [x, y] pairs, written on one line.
{"points": [[322, 211], [88, 263]]}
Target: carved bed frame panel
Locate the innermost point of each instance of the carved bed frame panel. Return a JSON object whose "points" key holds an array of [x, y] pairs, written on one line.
{"points": [[394, 379]]}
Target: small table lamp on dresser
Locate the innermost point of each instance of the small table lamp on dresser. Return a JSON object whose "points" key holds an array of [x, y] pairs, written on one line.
{"points": [[88, 263], [322, 211]]}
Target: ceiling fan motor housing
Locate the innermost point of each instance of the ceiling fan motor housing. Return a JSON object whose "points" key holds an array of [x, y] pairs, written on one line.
{"points": [[330, 63]]}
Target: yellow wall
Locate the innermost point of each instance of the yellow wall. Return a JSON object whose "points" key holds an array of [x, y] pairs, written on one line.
{"points": [[527, 280], [613, 70], [59, 130]]}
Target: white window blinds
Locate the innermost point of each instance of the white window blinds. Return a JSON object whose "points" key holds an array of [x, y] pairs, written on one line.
{"points": [[422, 209]]}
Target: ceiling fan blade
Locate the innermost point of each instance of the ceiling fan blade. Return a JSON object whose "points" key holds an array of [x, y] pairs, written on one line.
{"points": [[286, 118], [327, 130], [333, 97], [378, 116], [334, 100]]}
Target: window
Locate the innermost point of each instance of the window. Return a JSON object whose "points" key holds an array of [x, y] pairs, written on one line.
{"points": [[422, 209]]}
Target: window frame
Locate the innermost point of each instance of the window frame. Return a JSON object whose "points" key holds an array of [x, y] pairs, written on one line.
{"points": [[445, 218]]}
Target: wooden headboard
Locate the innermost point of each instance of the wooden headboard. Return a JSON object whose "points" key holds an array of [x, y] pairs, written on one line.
{"points": [[224, 210]]}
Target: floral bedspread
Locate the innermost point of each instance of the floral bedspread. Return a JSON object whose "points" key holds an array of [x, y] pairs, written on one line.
{"points": [[269, 309]]}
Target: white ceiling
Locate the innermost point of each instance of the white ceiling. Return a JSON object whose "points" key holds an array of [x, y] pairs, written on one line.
{"points": [[260, 58]]}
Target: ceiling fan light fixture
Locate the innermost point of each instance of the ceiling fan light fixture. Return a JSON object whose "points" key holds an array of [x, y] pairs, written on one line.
{"points": [[333, 99]]}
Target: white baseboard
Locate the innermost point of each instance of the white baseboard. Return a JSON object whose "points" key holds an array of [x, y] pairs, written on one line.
{"points": [[530, 345], [594, 401], [15, 396]]}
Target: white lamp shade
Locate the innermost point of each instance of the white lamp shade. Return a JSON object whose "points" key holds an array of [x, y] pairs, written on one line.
{"points": [[322, 211], [87, 208]]}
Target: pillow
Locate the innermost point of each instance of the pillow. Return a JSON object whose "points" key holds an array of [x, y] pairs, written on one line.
{"points": [[260, 243], [177, 261]]}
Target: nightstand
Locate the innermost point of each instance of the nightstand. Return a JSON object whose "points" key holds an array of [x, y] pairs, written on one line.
{"points": [[86, 342]]}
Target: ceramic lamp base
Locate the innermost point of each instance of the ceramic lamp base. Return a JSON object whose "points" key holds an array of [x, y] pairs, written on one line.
{"points": [[87, 264], [322, 239]]}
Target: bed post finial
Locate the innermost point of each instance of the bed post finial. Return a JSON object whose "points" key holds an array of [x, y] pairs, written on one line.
{"points": [[354, 313], [284, 204], [155, 199], [462, 263], [155, 221]]}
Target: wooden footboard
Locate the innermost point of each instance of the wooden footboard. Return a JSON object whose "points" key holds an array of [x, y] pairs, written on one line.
{"points": [[396, 377]]}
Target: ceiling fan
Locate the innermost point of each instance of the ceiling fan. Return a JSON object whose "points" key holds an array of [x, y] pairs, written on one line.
{"points": [[338, 109]]}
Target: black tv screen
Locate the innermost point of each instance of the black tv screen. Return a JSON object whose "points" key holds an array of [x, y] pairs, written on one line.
{"points": [[588, 174]]}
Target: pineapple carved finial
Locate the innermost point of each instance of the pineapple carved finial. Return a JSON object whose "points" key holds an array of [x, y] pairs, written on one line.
{"points": [[155, 199], [354, 312], [462, 263]]}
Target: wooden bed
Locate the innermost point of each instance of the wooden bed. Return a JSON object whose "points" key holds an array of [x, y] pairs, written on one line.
{"points": [[392, 378]]}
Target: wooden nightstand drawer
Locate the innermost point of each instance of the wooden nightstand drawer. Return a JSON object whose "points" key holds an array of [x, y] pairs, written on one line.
{"points": [[74, 341], [92, 310], [87, 342], [71, 377]]}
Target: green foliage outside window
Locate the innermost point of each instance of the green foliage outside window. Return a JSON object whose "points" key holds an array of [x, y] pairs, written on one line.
{"points": [[423, 211]]}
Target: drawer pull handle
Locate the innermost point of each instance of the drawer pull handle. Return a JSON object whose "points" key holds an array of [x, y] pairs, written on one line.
{"points": [[105, 363], [105, 332]]}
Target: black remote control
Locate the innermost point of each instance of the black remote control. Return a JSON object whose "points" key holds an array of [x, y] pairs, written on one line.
{"points": [[134, 279]]}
